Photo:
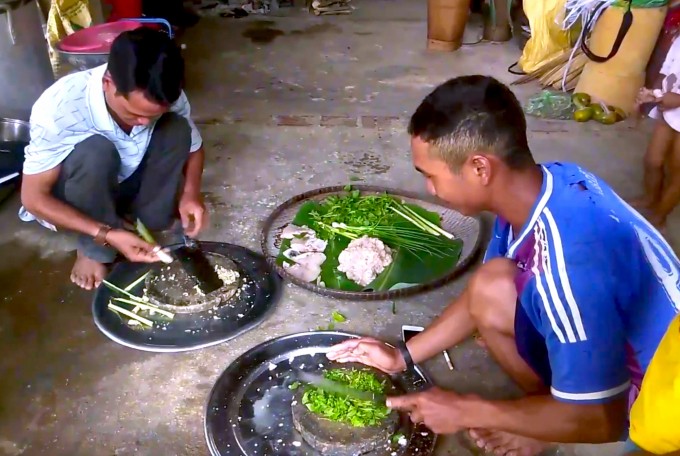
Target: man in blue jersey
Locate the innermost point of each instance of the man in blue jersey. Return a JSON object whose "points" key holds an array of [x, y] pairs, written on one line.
{"points": [[574, 295]]}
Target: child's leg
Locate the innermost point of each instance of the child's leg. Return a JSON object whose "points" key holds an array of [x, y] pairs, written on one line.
{"points": [[670, 196], [655, 158]]}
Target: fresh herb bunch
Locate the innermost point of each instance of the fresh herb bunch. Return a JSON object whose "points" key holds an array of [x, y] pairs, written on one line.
{"points": [[354, 210], [336, 407], [383, 217]]}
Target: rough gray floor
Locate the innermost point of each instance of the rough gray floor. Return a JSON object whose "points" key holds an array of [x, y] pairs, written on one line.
{"points": [[67, 390]]}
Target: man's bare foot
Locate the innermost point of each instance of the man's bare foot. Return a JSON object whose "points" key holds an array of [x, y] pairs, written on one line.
{"points": [[87, 273], [504, 444]]}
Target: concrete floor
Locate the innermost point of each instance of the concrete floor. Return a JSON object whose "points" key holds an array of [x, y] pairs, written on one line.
{"points": [[68, 390]]}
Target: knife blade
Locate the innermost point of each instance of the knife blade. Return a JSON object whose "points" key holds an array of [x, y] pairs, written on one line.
{"points": [[194, 262], [330, 386]]}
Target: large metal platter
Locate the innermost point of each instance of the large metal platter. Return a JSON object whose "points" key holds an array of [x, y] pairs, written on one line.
{"points": [[260, 292], [249, 408], [468, 229]]}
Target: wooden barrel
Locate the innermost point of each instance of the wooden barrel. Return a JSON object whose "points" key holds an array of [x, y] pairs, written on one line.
{"points": [[617, 81], [446, 21]]}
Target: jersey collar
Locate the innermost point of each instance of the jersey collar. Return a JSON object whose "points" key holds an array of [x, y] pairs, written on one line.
{"points": [[539, 205]]}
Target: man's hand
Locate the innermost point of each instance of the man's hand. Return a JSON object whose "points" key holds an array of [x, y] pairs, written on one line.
{"points": [[370, 352], [193, 214], [436, 408], [132, 246]]}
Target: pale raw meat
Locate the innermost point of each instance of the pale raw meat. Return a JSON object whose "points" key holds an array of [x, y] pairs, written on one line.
{"points": [[308, 244], [307, 266], [304, 273], [364, 259], [292, 231]]}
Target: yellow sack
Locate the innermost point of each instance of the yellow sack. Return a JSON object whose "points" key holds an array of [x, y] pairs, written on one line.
{"points": [[64, 18], [548, 40]]}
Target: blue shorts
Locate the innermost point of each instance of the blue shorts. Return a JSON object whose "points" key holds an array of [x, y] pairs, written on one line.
{"points": [[531, 346]]}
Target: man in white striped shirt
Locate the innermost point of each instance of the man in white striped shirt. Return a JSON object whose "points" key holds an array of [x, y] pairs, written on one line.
{"points": [[115, 144], [575, 294]]}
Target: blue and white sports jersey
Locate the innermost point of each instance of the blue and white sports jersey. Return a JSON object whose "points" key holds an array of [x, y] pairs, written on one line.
{"points": [[598, 282]]}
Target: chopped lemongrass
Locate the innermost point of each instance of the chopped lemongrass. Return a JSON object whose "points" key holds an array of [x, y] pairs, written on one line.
{"points": [[132, 315], [145, 307], [136, 282], [162, 255], [123, 292]]}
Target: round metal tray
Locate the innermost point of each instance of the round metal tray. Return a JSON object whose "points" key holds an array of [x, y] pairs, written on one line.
{"points": [[249, 408], [261, 291], [468, 229]]}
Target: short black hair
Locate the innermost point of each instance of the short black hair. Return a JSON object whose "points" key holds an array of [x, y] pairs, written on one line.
{"points": [[148, 60], [472, 114]]}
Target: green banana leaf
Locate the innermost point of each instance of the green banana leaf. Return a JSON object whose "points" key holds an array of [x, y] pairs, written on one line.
{"points": [[406, 269]]}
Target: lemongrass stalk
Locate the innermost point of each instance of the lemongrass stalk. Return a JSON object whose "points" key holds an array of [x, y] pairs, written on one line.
{"points": [[434, 226], [145, 306], [136, 282], [144, 232], [121, 291], [134, 316], [416, 222]]}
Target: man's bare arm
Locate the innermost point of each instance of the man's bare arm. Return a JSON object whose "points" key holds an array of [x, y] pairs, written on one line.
{"points": [[453, 326], [547, 419], [193, 172], [37, 198]]}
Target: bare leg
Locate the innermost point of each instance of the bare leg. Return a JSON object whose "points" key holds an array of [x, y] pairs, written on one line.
{"points": [[670, 197], [492, 303], [655, 157]]}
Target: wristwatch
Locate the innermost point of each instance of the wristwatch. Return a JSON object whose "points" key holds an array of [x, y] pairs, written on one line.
{"points": [[100, 237], [408, 360]]}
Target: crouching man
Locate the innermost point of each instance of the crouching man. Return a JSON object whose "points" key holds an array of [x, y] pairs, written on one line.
{"points": [[576, 292], [116, 144]]}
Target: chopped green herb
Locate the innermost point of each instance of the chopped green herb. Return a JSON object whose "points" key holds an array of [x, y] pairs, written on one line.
{"points": [[394, 307], [293, 386], [395, 438], [347, 188], [331, 326], [338, 317], [336, 407]]}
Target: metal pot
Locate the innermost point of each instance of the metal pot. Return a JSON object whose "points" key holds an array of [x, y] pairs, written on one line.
{"points": [[14, 136], [14, 130]]}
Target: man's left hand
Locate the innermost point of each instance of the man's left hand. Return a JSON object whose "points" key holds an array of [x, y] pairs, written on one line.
{"points": [[193, 214], [436, 408]]}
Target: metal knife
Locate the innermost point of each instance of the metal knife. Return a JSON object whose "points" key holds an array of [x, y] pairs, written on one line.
{"points": [[330, 386], [194, 262]]}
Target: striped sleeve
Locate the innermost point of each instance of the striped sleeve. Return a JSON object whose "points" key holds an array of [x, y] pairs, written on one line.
{"points": [[574, 300], [183, 108]]}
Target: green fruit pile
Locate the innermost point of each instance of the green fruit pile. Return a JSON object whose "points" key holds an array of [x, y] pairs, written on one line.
{"points": [[585, 111]]}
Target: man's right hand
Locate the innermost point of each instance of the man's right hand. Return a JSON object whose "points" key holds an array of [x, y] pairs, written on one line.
{"points": [[370, 352], [132, 246]]}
